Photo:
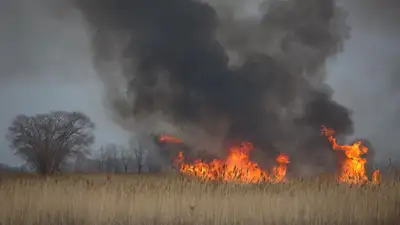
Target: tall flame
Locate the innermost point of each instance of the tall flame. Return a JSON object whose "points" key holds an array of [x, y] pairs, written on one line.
{"points": [[353, 166], [236, 167]]}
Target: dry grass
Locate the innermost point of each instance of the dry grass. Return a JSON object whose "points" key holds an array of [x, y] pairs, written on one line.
{"points": [[149, 199]]}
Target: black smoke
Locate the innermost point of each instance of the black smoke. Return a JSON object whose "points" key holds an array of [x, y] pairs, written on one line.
{"points": [[177, 59]]}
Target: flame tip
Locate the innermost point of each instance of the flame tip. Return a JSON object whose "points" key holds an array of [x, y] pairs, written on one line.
{"points": [[353, 166]]}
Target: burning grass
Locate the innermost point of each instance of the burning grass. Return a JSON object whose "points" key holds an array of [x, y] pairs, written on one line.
{"points": [[352, 169], [78, 199], [237, 167]]}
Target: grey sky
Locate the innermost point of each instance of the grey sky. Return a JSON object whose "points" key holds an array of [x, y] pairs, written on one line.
{"points": [[364, 76], [45, 64]]}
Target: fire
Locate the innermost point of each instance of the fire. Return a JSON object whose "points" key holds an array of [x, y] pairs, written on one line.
{"points": [[353, 167], [236, 167], [375, 177], [279, 172], [171, 139]]}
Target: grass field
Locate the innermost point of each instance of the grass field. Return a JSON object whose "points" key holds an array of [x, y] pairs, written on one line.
{"points": [[79, 199]]}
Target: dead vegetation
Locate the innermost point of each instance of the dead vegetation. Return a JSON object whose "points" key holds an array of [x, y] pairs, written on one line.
{"points": [[80, 199]]}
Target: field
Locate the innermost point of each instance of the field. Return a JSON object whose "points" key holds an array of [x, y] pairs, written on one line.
{"points": [[80, 199]]}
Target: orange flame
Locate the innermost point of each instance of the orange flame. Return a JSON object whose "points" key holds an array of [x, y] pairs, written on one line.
{"points": [[170, 139], [236, 167], [353, 167], [375, 176]]}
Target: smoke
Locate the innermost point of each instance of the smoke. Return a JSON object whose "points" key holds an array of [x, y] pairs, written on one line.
{"points": [[365, 77], [218, 70]]}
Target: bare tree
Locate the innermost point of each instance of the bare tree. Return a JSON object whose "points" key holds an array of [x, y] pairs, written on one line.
{"points": [[102, 159], [109, 156], [46, 141], [139, 154], [86, 164], [127, 157]]}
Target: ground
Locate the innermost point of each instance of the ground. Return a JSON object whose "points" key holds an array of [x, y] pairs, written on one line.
{"points": [[80, 199]]}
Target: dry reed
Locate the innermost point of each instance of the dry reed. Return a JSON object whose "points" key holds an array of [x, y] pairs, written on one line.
{"points": [[79, 199]]}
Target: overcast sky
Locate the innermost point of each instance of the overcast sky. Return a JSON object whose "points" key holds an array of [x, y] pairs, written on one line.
{"points": [[364, 75], [45, 64]]}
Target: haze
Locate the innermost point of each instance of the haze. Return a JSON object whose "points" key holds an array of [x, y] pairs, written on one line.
{"points": [[45, 64]]}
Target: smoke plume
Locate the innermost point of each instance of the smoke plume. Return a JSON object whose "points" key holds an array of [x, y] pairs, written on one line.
{"points": [[243, 76]]}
